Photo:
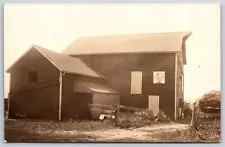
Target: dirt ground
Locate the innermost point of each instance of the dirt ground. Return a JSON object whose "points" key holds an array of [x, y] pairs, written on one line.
{"points": [[93, 131], [138, 134]]}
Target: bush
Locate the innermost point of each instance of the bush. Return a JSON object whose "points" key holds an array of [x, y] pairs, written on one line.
{"points": [[208, 130], [145, 114], [187, 112], [140, 118], [160, 116]]}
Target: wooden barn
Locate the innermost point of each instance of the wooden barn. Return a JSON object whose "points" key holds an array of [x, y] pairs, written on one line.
{"points": [[146, 69], [46, 84]]}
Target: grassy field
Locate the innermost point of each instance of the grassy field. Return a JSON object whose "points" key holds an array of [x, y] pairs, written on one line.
{"points": [[46, 131], [24, 130]]}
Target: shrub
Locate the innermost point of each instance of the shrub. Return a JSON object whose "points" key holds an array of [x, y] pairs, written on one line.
{"points": [[187, 112], [145, 114], [136, 119], [160, 116]]}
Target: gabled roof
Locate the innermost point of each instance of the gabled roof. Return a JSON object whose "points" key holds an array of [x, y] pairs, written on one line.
{"points": [[95, 87], [134, 43], [63, 62]]}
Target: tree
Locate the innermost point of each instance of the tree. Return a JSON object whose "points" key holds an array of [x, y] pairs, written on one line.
{"points": [[211, 95]]}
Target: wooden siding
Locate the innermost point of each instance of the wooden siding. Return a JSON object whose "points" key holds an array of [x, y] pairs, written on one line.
{"points": [[37, 103], [32, 61], [117, 69], [77, 87], [105, 99], [38, 99], [75, 101]]}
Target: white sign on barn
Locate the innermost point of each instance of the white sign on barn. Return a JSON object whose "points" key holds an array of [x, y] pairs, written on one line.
{"points": [[159, 77]]}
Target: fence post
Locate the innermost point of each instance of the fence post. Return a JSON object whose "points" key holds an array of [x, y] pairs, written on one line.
{"points": [[194, 113], [117, 113]]}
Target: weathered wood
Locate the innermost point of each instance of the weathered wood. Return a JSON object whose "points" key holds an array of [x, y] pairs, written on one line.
{"points": [[60, 95], [117, 113], [43, 86], [103, 109], [193, 119], [130, 108], [112, 110], [100, 105]]}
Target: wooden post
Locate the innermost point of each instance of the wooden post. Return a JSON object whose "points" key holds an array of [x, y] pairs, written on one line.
{"points": [[117, 113], [60, 95], [111, 112], [8, 106], [193, 119]]}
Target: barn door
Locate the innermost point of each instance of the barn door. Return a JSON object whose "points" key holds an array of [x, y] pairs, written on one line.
{"points": [[153, 103]]}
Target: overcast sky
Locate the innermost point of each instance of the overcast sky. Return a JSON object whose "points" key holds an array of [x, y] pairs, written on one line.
{"points": [[56, 26]]}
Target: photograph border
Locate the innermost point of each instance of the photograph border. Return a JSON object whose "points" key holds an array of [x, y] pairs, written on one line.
{"points": [[3, 2]]}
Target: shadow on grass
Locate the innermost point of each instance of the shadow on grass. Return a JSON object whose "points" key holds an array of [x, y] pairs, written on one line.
{"points": [[24, 131], [27, 136]]}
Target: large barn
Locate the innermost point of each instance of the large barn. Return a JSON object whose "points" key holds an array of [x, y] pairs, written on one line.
{"points": [[140, 70], [146, 69]]}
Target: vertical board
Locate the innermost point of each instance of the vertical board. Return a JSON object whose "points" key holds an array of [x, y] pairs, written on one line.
{"points": [[153, 103], [136, 82]]}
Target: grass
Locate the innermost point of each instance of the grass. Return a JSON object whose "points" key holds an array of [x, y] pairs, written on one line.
{"points": [[189, 135], [22, 130]]}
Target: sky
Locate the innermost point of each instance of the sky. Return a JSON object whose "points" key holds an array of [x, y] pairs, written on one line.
{"points": [[56, 26]]}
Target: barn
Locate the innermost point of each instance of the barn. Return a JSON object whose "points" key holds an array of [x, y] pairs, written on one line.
{"points": [[146, 69], [46, 84], [138, 70]]}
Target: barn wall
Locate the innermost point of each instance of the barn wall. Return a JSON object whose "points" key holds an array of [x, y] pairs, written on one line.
{"points": [[75, 98], [105, 98], [37, 103], [74, 104], [32, 61], [117, 69], [25, 96]]}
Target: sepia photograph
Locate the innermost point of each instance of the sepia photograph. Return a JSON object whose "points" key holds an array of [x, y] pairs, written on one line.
{"points": [[112, 73]]}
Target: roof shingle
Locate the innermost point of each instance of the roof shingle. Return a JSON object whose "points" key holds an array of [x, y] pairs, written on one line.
{"points": [[64, 62], [127, 43], [97, 87], [155, 42]]}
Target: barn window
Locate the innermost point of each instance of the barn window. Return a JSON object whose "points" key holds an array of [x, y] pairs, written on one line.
{"points": [[32, 76], [136, 82]]}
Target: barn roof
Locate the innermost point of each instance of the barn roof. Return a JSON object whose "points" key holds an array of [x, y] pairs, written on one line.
{"points": [[97, 87], [134, 43], [63, 62]]}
